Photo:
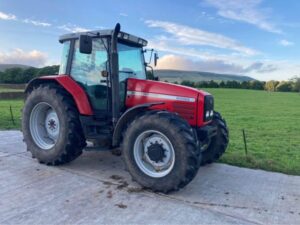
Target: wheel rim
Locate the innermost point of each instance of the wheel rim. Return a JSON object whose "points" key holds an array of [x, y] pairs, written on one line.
{"points": [[44, 125], [154, 153]]}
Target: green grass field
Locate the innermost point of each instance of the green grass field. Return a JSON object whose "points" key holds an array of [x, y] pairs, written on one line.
{"points": [[272, 125], [271, 122]]}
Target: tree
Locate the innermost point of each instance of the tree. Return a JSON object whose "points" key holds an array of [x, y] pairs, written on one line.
{"points": [[1, 77], [284, 86], [213, 84], [48, 70], [271, 85], [257, 85], [245, 85], [18, 75], [13, 75], [188, 83], [222, 84], [29, 74], [233, 84], [296, 84]]}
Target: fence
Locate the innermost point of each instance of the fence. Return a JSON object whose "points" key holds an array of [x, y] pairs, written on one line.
{"points": [[275, 150], [11, 95], [10, 115], [13, 86]]}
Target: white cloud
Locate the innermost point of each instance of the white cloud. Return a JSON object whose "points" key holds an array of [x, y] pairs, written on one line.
{"points": [[285, 43], [19, 56], [72, 28], [247, 11], [36, 23], [123, 14], [5, 16], [186, 35], [214, 65], [172, 47], [261, 70], [184, 52]]}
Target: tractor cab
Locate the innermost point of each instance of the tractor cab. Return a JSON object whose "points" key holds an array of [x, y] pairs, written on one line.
{"points": [[86, 57]]}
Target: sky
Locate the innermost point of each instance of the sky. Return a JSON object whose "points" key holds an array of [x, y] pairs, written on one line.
{"points": [[258, 38]]}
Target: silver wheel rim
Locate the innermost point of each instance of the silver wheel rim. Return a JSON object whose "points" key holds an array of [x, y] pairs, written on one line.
{"points": [[142, 157], [44, 125]]}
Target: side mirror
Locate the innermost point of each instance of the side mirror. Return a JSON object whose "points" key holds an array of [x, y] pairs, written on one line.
{"points": [[155, 59], [85, 44]]}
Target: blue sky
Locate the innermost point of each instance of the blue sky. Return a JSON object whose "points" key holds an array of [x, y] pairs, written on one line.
{"points": [[258, 38]]}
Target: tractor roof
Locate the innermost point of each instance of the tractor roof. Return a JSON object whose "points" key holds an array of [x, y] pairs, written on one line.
{"points": [[105, 33]]}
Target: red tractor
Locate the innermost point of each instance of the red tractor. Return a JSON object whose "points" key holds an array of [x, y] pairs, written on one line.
{"points": [[101, 99]]}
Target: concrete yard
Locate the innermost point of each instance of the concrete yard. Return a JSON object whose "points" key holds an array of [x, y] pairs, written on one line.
{"points": [[95, 189]]}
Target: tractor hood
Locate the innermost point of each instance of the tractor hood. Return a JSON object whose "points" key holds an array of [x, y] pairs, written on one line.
{"points": [[163, 88], [183, 100]]}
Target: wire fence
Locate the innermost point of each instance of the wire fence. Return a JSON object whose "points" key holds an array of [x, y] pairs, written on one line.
{"points": [[10, 117], [270, 149], [268, 140], [242, 139], [274, 150]]}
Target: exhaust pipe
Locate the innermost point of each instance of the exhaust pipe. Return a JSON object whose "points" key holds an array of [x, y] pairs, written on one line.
{"points": [[115, 75]]}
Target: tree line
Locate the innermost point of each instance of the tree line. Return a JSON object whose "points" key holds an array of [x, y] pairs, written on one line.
{"points": [[24, 75], [292, 85]]}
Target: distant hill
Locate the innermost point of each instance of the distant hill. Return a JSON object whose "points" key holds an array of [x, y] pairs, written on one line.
{"points": [[3, 67], [178, 75]]}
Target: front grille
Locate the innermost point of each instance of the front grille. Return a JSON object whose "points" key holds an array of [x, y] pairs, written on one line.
{"points": [[208, 108], [186, 110]]}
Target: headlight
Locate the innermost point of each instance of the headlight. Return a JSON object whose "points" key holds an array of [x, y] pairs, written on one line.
{"points": [[208, 108], [207, 114]]}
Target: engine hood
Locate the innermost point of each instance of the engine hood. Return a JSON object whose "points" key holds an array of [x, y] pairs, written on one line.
{"points": [[163, 88], [187, 102]]}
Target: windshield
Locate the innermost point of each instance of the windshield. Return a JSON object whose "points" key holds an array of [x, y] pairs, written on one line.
{"points": [[131, 62]]}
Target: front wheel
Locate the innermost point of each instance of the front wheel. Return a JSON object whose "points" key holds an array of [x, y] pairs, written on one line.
{"points": [[159, 150], [219, 143]]}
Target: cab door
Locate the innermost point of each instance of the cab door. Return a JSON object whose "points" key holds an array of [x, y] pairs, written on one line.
{"points": [[87, 69]]}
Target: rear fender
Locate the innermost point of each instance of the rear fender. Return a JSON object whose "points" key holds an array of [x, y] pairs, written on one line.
{"points": [[126, 118], [75, 90]]}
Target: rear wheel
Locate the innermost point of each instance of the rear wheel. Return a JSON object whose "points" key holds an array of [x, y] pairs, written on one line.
{"points": [[218, 143], [51, 126], [160, 152]]}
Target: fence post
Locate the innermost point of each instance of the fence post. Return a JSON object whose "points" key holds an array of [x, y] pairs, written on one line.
{"points": [[245, 142], [12, 115]]}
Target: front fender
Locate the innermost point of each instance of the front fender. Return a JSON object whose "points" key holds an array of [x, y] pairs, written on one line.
{"points": [[127, 117]]}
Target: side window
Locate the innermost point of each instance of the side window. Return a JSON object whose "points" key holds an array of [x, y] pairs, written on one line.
{"points": [[86, 70], [64, 57]]}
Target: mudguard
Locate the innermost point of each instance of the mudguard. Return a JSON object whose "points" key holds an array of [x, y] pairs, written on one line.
{"points": [[126, 117], [76, 91]]}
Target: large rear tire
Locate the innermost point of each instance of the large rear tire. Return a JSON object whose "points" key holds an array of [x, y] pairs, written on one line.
{"points": [[159, 150], [219, 143], [51, 126]]}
